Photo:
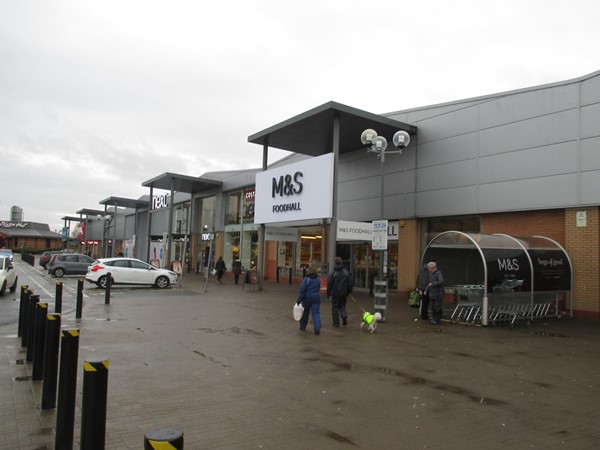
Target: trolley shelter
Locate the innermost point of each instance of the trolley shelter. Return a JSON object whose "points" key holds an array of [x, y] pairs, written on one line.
{"points": [[498, 278]]}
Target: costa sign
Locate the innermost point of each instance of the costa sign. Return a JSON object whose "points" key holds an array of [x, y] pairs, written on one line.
{"points": [[298, 191]]}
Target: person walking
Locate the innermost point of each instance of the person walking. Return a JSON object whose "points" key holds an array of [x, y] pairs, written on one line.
{"points": [[236, 268], [339, 286], [435, 287], [422, 282], [220, 268], [310, 297]]}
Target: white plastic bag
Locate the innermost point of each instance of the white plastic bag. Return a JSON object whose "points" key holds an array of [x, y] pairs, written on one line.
{"points": [[298, 311], [214, 271]]}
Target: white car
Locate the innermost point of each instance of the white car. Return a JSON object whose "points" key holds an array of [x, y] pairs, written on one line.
{"points": [[8, 276], [129, 271]]}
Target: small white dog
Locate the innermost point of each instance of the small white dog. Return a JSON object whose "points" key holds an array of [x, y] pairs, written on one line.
{"points": [[370, 321]]}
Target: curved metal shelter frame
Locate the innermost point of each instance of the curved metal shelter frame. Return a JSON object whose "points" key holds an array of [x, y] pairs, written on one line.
{"points": [[499, 278]]}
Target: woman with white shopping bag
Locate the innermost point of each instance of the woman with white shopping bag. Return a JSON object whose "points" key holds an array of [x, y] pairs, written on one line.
{"points": [[310, 297]]}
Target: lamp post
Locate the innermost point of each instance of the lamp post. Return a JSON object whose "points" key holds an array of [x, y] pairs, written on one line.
{"points": [[378, 144]]}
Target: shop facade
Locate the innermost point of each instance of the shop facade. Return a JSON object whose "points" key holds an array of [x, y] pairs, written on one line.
{"points": [[522, 163]]}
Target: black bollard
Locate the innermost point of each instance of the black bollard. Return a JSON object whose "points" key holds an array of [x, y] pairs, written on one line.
{"points": [[58, 297], [163, 438], [39, 341], [33, 301], [79, 305], [107, 289], [51, 361], [67, 392], [93, 404], [22, 309], [27, 300]]}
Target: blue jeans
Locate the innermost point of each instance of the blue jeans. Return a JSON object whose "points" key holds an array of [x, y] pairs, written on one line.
{"points": [[313, 307]]}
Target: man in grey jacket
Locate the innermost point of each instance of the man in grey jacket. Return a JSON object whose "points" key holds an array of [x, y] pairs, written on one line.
{"points": [[435, 288]]}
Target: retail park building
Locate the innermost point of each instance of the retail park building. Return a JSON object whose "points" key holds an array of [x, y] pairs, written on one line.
{"points": [[518, 163]]}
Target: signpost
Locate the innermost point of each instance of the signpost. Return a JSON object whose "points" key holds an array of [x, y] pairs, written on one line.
{"points": [[379, 243]]}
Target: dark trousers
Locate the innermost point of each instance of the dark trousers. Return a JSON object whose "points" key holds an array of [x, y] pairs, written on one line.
{"points": [[436, 306], [338, 308], [424, 308], [236, 276]]}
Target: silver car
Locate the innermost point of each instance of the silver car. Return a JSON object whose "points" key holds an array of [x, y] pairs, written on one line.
{"points": [[69, 264]]}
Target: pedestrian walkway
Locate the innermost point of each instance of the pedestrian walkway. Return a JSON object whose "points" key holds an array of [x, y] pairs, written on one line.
{"points": [[230, 368]]}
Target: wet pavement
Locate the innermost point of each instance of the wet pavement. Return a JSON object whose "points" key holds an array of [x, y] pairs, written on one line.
{"points": [[231, 370]]}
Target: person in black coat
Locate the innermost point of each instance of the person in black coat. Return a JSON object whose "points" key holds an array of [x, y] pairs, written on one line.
{"points": [[422, 282], [220, 268], [435, 287]]}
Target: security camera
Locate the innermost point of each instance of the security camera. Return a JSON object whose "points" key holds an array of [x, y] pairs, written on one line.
{"points": [[401, 139]]}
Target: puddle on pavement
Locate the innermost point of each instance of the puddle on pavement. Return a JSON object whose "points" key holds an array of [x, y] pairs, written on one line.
{"points": [[237, 330], [411, 379], [539, 333]]}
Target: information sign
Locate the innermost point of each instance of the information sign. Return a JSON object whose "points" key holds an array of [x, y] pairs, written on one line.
{"points": [[379, 236]]}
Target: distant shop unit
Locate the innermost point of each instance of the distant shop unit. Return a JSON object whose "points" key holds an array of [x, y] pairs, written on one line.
{"points": [[30, 235]]}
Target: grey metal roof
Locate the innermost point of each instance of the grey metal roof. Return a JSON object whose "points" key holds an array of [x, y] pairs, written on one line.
{"points": [[181, 183], [124, 202], [90, 212], [311, 133], [71, 218]]}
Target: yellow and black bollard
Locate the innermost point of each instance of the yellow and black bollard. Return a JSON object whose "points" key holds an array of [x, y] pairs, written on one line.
{"points": [[24, 293], [26, 306], [93, 404], [33, 301], [164, 439], [51, 360], [39, 340], [67, 390]]}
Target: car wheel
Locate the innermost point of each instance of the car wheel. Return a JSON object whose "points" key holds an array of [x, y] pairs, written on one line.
{"points": [[102, 282], [3, 288], [162, 282], [13, 288], [58, 272]]}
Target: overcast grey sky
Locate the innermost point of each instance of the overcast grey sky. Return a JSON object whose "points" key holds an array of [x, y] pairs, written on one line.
{"points": [[97, 97]]}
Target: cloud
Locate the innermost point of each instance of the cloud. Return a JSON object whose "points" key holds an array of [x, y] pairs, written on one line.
{"points": [[98, 97]]}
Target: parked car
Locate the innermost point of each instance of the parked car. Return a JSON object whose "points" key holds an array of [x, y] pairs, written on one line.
{"points": [[46, 257], [129, 271], [69, 264], [6, 252], [8, 276]]}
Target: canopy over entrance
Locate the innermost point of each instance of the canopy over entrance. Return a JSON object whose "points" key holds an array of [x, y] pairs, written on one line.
{"points": [[501, 278]]}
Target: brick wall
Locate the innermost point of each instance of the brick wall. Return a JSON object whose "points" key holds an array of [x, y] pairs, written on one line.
{"points": [[549, 223], [408, 256], [582, 245]]}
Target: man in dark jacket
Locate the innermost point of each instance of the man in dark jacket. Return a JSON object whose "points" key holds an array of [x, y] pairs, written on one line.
{"points": [[339, 286], [422, 282], [435, 287]]}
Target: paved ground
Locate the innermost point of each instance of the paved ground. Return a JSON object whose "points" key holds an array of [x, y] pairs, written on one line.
{"points": [[232, 371]]}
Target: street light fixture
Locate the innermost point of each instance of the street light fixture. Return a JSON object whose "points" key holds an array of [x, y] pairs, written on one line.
{"points": [[378, 144]]}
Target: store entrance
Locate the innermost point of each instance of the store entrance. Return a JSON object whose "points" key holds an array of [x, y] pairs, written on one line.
{"points": [[360, 259]]}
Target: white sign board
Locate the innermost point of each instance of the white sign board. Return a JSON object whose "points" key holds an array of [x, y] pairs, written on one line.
{"points": [[298, 191], [379, 241], [354, 231], [581, 218], [281, 234]]}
